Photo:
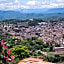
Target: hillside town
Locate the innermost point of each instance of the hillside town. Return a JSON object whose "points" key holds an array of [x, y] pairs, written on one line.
{"points": [[34, 39], [31, 31], [46, 31]]}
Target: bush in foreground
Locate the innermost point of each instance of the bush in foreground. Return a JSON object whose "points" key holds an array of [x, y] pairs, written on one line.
{"points": [[5, 58], [20, 52]]}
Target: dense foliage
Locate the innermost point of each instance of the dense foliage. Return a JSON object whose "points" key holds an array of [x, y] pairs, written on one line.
{"points": [[5, 58], [32, 47], [54, 57], [20, 52]]}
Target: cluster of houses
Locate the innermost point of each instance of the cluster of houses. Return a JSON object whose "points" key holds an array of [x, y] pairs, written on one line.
{"points": [[46, 31]]}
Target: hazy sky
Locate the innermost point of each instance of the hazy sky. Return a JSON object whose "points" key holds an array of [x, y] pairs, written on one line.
{"points": [[30, 4]]}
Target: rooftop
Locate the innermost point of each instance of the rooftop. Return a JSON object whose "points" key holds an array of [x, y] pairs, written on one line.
{"points": [[33, 61]]}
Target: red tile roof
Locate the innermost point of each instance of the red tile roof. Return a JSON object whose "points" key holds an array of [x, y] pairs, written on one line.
{"points": [[33, 61]]}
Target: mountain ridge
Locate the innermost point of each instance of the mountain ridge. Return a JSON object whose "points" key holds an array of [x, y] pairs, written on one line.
{"points": [[23, 14], [43, 10]]}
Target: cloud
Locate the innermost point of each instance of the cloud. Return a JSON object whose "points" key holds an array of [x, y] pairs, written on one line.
{"points": [[53, 4], [16, 1], [23, 6], [60, 1], [9, 5], [57, 4], [45, 4], [30, 4]]}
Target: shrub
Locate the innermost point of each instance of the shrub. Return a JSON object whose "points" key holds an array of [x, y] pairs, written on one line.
{"points": [[5, 58], [20, 52], [46, 49]]}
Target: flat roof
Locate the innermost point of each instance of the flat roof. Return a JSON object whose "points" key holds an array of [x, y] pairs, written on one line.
{"points": [[58, 47]]}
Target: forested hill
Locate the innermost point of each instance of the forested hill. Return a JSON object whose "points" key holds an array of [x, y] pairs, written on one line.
{"points": [[46, 14]]}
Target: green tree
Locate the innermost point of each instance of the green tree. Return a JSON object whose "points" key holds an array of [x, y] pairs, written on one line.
{"points": [[20, 52], [51, 48], [63, 36], [33, 43]]}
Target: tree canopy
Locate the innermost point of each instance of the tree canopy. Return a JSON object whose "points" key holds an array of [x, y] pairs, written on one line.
{"points": [[20, 52]]}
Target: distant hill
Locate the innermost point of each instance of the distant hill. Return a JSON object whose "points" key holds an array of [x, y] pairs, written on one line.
{"points": [[9, 15], [51, 13], [44, 10], [56, 10]]}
